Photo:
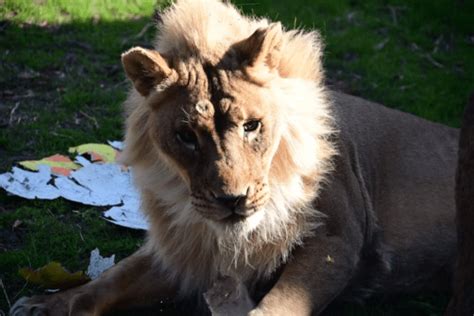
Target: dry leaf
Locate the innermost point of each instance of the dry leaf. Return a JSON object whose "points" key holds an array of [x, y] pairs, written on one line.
{"points": [[54, 276]]}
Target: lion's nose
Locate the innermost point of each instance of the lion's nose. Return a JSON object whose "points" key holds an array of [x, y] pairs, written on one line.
{"points": [[229, 201]]}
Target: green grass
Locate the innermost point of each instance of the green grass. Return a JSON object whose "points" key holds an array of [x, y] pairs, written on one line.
{"points": [[60, 59]]}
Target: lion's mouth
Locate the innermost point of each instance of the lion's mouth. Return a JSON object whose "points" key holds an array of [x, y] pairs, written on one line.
{"points": [[224, 216], [230, 208], [234, 218]]}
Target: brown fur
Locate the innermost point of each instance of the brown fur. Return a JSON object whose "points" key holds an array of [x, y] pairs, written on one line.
{"points": [[462, 302], [250, 169]]}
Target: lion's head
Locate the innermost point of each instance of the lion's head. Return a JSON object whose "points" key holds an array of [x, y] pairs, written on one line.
{"points": [[214, 124], [228, 128]]}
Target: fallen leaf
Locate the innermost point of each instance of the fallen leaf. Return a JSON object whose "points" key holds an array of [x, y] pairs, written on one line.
{"points": [[98, 152], [54, 275]]}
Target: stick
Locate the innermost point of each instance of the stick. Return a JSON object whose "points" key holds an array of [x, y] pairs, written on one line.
{"points": [[5, 293], [12, 113]]}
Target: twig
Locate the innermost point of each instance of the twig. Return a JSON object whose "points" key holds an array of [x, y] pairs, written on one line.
{"points": [[433, 62], [144, 30], [382, 44], [140, 34], [50, 213], [21, 290], [405, 87], [61, 135], [93, 119], [5, 293], [427, 56], [393, 13], [12, 113], [437, 43], [80, 232]]}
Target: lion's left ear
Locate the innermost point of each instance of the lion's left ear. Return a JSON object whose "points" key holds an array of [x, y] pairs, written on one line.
{"points": [[262, 48], [146, 68]]}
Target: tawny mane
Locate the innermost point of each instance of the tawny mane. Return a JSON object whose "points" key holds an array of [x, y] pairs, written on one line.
{"points": [[208, 28], [189, 249]]}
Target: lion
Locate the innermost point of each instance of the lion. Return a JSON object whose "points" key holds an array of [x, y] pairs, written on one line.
{"points": [[250, 168]]}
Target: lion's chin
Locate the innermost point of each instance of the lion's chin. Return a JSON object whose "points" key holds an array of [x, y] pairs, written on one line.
{"points": [[233, 218], [236, 223]]}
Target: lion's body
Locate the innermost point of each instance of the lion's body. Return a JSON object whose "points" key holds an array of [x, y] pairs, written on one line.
{"points": [[405, 168], [249, 168]]}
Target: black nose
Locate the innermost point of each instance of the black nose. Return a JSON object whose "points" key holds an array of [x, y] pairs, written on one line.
{"points": [[229, 201]]}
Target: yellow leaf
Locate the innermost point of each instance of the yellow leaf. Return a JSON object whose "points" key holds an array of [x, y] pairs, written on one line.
{"points": [[54, 276]]}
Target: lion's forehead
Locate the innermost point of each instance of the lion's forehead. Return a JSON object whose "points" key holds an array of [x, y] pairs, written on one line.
{"points": [[212, 109], [219, 95]]}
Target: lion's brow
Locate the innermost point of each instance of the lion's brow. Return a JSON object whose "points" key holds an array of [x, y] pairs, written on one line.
{"points": [[216, 80]]}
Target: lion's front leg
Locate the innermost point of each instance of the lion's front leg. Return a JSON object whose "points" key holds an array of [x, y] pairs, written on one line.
{"points": [[134, 281], [316, 275]]}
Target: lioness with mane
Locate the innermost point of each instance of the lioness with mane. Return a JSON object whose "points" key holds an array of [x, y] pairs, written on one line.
{"points": [[249, 167]]}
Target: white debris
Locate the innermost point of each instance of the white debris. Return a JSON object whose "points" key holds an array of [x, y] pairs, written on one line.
{"points": [[95, 183], [29, 184], [82, 161], [116, 144], [98, 264], [126, 215], [99, 184]]}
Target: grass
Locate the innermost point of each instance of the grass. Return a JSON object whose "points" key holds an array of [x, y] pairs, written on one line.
{"points": [[61, 73]]}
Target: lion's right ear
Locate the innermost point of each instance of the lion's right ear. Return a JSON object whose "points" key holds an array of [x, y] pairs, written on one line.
{"points": [[262, 48], [146, 68]]}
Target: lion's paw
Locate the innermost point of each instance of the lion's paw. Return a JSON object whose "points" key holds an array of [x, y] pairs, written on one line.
{"points": [[28, 306], [53, 305], [228, 296], [256, 312]]}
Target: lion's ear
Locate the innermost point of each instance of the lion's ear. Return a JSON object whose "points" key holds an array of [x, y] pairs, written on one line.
{"points": [[146, 68], [262, 47]]}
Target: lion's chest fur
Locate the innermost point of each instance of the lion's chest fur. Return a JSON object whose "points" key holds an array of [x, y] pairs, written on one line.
{"points": [[195, 255]]}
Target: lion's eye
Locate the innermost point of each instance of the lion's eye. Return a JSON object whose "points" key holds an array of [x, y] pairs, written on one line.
{"points": [[188, 138], [251, 126]]}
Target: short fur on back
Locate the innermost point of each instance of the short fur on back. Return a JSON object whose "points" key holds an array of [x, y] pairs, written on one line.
{"points": [[191, 36]]}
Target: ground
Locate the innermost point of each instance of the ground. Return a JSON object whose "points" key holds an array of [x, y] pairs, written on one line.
{"points": [[61, 84]]}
